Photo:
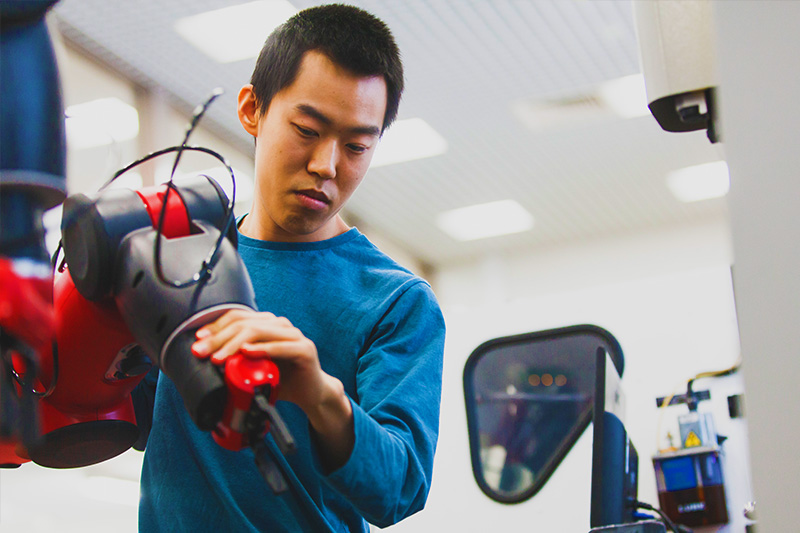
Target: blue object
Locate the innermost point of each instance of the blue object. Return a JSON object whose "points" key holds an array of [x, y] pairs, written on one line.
{"points": [[32, 141], [679, 473]]}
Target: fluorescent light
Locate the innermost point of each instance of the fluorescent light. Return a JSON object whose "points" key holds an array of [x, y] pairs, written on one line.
{"points": [[485, 220], [700, 182], [625, 96], [237, 32], [101, 122], [407, 140]]}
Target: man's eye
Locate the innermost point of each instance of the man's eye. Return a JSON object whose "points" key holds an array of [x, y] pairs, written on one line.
{"points": [[357, 148], [305, 132]]}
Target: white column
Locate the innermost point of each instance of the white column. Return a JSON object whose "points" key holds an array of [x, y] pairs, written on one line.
{"points": [[154, 130], [759, 86]]}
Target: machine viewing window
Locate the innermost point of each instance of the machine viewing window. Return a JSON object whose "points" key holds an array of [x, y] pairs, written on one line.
{"points": [[529, 398]]}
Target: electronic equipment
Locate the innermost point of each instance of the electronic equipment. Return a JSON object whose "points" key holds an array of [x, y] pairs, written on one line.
{"points": [[691, 489], [689, 479], [519, 388], [677, 55], [615, 463], [531, 388]]}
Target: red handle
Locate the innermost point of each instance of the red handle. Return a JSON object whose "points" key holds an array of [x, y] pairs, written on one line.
{"points": [[245, 377]]}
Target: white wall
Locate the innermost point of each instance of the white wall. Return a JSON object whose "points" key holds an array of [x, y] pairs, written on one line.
{"points": [[666, 296]]}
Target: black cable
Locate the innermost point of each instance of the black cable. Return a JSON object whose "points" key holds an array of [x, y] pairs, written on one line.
{"points": [[677, 528], [26, 381], [205, 270], [19, 410], [54, 378], [209, 262]]}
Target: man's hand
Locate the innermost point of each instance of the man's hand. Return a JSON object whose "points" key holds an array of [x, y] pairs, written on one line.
{"points": [[259, 334], [302, 380]]}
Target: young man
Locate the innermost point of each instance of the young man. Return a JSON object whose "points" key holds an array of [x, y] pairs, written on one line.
{"points": [[358, 339]]}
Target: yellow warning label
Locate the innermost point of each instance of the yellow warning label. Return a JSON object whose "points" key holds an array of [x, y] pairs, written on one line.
{"points": [[692, 440]]}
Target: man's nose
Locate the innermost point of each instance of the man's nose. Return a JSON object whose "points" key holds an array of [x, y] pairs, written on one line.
{"points": [[324, 159]]}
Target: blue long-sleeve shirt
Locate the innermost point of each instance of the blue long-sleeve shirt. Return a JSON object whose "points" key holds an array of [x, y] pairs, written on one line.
{"points": [[377, 328]]}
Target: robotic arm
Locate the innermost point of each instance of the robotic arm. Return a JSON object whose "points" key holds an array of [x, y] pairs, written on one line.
{"points": [[142, 271], [160, 263]]}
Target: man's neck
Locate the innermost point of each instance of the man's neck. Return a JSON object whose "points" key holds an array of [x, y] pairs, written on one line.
{"points": [[250, 226]]}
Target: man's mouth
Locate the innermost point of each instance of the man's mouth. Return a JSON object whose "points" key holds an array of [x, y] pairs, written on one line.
{"points": [[315, 195], [313, 199]]}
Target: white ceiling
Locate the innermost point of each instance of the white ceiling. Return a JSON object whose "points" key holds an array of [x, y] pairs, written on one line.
{"points": [[468, 64]]}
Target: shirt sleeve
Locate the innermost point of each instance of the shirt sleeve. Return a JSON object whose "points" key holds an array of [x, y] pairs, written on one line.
{"points": [[396, 415]]}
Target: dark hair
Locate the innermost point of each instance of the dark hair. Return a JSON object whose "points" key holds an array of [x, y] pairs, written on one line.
{"points": [[350, 37]]}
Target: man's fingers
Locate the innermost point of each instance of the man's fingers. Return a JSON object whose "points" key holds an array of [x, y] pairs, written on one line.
{"points": [[212, 336], [268, 349], [226, 335], [200, 350], [231, 346], [277, 349], [254, 349], [227, 319], [257, 334], [219, 357]]}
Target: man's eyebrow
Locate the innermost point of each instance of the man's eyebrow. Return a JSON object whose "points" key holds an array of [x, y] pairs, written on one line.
{"points": [[315, 113]]}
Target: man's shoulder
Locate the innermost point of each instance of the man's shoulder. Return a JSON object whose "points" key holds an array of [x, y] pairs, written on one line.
{"points": [[381, 264]]}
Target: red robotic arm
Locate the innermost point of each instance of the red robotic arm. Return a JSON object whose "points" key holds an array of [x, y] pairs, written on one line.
{"points": [[119, 309]]}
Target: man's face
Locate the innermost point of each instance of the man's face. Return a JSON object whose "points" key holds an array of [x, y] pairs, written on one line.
{"points": [[314, 145]]}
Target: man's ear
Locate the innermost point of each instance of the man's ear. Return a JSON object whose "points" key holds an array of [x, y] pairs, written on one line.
{"points": [[248, 110]]}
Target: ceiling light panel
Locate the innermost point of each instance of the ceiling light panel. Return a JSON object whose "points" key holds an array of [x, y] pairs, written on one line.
{"points": [[485, 220], [100, 122], [625, 96], [237, 32], [700, 182], [407, 140]]}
